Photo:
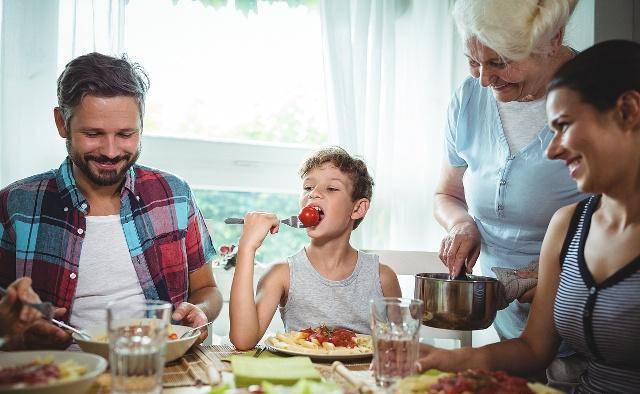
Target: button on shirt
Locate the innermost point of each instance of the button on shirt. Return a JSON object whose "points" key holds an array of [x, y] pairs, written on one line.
{"points": [[43, 224], [510, 196]]}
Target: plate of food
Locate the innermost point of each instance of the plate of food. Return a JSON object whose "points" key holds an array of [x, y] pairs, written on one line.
{"points": [[322, 343], [99, 343], [49, 372], [469, 381]]}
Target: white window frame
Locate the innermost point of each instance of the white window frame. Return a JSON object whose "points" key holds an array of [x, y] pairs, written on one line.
{"points": [[228, 165]]}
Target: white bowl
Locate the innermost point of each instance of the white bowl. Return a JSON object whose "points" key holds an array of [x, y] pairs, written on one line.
{"points": [[176, 348], [95, 365]]}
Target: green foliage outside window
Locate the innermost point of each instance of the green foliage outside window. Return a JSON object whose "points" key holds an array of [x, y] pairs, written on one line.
{"points": [[218, 205], [289, 124], [247, 6]]}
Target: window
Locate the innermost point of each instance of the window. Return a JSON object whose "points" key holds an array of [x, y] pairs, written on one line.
{"points": [[236, 102], [218, 73], [218, 205]]}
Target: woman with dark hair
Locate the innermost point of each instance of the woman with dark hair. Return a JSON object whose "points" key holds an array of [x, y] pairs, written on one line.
{"points": [[589, 277]]}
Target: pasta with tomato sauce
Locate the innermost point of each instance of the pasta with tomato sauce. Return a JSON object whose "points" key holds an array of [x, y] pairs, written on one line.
{"points": [[323, 340]]}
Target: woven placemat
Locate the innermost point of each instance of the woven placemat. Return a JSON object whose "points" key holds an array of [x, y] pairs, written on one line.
{"points": [[190, 370], [364, 375], [217, 353]]}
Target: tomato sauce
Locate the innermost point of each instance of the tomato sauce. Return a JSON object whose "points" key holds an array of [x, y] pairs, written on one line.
{"points": [[337, 336], [30, 374], [481, 382]]}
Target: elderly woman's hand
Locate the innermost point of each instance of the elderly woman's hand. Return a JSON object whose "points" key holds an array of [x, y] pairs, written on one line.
{"points": [[527, 297], [461, 245]]}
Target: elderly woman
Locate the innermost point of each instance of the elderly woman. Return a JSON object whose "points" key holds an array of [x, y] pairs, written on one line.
{"points": [[495, 140], [590, 262]]}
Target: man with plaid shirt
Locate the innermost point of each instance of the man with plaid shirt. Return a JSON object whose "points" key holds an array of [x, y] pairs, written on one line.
{"points": [[101, 227]]}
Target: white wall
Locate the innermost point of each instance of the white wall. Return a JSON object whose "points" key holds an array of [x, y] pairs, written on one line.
{"points": [[29, 142], [579, 33]]}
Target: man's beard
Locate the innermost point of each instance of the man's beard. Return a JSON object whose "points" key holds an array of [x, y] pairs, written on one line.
{"points": [[102, 177]]}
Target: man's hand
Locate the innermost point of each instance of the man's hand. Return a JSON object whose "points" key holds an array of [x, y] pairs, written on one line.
{"points": [[192, 316], [42, 334]]}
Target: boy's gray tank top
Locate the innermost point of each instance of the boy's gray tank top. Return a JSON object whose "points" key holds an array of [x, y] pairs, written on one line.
{"points": [[314, 300]]}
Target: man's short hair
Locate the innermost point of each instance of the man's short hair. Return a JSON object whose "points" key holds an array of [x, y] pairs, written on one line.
{"points": [[100, 75], [353, 167]]}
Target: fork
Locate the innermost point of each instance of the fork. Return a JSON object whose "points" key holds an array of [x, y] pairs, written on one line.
{"points": [[191, 331], [78, 331], [259, 350], [46, 308], [291, 221]]}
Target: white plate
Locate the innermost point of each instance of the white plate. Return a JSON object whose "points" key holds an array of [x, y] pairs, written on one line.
{"points": [[176, 348], [95, 366], [317, 356]]}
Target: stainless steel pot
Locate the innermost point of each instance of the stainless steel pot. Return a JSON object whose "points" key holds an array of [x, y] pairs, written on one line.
{"points": [[457, 304]]}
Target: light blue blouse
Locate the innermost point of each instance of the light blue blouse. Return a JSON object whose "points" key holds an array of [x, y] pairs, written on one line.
{"points": [[510, 196]]}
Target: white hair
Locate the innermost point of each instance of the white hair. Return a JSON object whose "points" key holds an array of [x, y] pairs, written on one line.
{"points": [[513, 28]]}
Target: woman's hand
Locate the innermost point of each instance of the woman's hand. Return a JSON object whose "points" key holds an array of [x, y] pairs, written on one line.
{"points": [[461, 245], [440, 359], [15, 316], [44, 335]]}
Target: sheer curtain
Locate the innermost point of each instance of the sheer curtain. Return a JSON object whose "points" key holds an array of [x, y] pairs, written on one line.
{"points": [[90, 26], [391, 67], [38, 38], [28, 138]]}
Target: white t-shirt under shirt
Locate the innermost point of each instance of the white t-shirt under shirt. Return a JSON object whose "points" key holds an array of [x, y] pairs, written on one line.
{"points": [[105, 272], [522, 121]]}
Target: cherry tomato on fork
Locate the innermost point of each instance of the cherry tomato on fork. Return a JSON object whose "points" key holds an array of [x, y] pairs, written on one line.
{"points": [[309, 216]]}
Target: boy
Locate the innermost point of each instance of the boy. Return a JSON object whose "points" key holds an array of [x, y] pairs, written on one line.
{"points": [[325, 282]]}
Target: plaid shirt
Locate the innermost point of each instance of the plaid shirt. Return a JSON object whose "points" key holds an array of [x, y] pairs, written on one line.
{"points": [[43, 226]]}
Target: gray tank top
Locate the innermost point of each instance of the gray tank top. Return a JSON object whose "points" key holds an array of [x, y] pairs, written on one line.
{"points": [[314, 300]]}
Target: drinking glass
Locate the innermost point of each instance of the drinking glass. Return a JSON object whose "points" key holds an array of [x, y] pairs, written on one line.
{"points": [[137, 339], [395, 327]]}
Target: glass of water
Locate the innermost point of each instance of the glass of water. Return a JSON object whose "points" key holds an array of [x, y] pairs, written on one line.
{"points": [[395, 327], [137, 339]]}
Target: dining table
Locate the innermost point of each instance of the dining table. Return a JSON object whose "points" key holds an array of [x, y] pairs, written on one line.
{"points": [[193, 373]]}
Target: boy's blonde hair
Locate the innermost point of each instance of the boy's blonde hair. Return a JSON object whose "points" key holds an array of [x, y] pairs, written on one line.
{"points": [[353, 167]]}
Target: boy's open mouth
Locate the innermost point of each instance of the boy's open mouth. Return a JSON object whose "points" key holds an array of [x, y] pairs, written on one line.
{"points": [[320, 212]]}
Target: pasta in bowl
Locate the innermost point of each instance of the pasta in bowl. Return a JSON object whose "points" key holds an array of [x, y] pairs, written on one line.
{"points": [[176, 347], [49, 372]]}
